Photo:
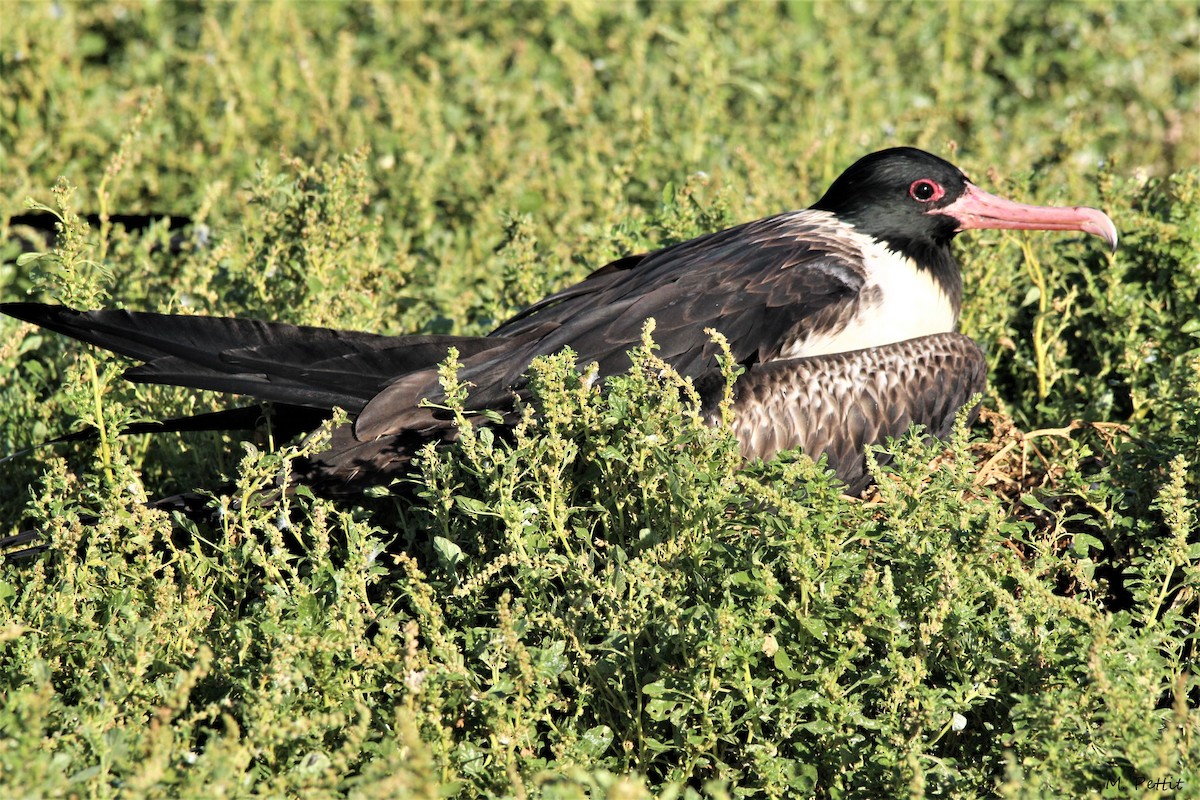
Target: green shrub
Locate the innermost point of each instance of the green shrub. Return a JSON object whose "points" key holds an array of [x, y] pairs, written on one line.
{"points": [[603, 601]]}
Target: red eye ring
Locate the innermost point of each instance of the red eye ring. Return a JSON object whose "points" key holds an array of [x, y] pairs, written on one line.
{"points": [[924, 190]]}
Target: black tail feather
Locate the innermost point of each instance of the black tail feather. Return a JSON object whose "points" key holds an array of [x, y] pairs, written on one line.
{"points": [[9, 545], [295, 365], [284, 422]]}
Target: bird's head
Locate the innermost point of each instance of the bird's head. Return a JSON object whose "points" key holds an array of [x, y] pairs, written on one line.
{"points": [[915, 201]]}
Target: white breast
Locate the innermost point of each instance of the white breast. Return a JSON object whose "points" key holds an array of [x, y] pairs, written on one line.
{"points": [[899, 302]]}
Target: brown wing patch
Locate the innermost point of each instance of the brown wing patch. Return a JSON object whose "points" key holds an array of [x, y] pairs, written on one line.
{"points": [[839, 405]]}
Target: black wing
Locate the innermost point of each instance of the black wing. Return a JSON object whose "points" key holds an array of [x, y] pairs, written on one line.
{"points": [[763, 285]]}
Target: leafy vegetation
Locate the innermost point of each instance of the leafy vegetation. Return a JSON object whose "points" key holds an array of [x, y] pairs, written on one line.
{"points": [[607, 603]]}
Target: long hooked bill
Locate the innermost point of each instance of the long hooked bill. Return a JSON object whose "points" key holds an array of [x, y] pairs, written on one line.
{"points": [[978, 209]]}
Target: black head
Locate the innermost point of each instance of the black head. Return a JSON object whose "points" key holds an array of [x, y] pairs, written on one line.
{"points": [[916, 202], [889, 196]]}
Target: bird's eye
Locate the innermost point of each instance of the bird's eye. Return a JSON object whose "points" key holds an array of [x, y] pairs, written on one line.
{"points": [[926, 191]]}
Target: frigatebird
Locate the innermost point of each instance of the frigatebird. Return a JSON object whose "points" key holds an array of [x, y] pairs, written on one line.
{"points": [[842, 317]]}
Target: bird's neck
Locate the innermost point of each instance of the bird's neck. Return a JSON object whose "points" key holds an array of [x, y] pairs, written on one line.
{"points": [[937, 260]]}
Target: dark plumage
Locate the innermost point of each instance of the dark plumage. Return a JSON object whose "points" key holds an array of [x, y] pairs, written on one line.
{"points": [[842, 316]]}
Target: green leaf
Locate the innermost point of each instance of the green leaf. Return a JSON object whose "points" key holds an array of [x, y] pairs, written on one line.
{"points": [[595, 741], [783, 663], [1085, 542], [448, 553]]}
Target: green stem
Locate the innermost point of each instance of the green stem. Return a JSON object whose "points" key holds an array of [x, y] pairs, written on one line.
{"points": [[1040, 347], [101, 425]]}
